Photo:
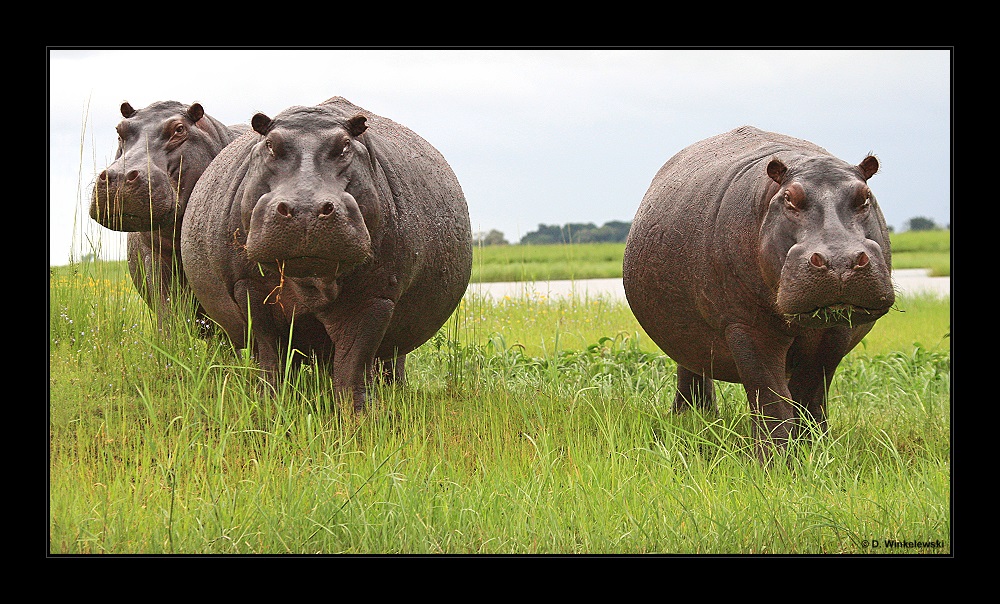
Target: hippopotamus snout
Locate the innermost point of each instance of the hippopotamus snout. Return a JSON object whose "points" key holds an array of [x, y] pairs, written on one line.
{"points": [[308, 233], [132, 199], [822, 275]]}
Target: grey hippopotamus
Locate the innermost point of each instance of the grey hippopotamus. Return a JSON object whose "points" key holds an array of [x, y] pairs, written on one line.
{"points": [[760, 259], [334, 231], [162, 151]]}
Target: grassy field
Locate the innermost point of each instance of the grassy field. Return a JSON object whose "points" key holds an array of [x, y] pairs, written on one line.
{"points": [[910, 249], [530, 426]]}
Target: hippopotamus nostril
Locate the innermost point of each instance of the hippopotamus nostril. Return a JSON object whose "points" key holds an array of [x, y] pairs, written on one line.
{"points": [[131, 176], [283, 209], [103, 176], [862, 261], [326, 209], [817, 260]]}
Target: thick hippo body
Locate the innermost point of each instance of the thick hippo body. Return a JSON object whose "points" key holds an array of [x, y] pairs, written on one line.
{"points": [[162, 151], [760, 259], [345, 221]]}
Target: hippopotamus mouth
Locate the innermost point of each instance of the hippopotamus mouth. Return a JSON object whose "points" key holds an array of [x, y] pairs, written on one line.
{"points": [[307, 266], [836, 314], [115, 217], [126, 222]]}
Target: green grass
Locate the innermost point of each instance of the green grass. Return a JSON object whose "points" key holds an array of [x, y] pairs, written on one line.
{"points": [[531, 426], [911, 249], [923, 249], [546, 262], [938, 241]]}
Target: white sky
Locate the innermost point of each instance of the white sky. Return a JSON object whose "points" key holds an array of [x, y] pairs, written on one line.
{"points": [[544, 136]]}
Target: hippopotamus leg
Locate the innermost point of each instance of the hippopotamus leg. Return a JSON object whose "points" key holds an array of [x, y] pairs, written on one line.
{"points": [[148, 275], [760, 360], [813, 359], [694, 390], [264, 329], [357, 332], [155, 267]]}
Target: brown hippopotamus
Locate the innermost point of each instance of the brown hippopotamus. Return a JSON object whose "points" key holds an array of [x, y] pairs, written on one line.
{"points": [[162, 151], [342, 228], [760, 259]]}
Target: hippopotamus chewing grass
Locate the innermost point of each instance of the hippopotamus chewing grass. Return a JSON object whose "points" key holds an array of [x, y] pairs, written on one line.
{"points": [[333, 231], [162, 151], [760, 259]]}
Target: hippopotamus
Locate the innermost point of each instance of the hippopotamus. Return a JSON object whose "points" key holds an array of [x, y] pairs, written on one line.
{"points": [[332, 231], [162, 151], [761, 259]]}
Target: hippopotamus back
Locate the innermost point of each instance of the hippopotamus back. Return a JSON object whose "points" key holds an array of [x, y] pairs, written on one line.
{"points": [[759, 258]]}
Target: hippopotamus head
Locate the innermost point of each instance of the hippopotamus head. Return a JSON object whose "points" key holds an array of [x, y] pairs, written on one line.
{"points": [[824, 244], [310, 204], [162, 151]]}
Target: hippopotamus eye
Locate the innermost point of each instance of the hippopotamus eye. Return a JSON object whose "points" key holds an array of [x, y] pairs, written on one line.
{"points": [[864, 200], [340, 147], [795, 197], [269, 146], [789, 202]]}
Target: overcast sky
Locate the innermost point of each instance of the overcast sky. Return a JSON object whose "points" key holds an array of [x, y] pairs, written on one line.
{"points": [[544, 136]]}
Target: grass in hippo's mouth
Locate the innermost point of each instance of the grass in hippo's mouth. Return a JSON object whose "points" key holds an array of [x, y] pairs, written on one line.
{"points": [[121, 217], [835, 313]]}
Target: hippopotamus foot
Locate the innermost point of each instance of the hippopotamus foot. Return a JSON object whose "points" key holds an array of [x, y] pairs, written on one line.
{"points": [[812, 418], [775, 425], [694, 390], [391, 370]]}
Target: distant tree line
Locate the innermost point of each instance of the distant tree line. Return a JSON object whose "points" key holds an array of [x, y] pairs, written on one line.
{"points": [[573, 232], [494, 237], [921, 223], [617, 231], [578, 232]]}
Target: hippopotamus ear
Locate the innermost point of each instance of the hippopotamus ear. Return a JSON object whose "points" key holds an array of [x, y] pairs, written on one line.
{"points": [[357, 124], [261, 124], [127, 110], [195, 112], [868, 166], [776, 170]]}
